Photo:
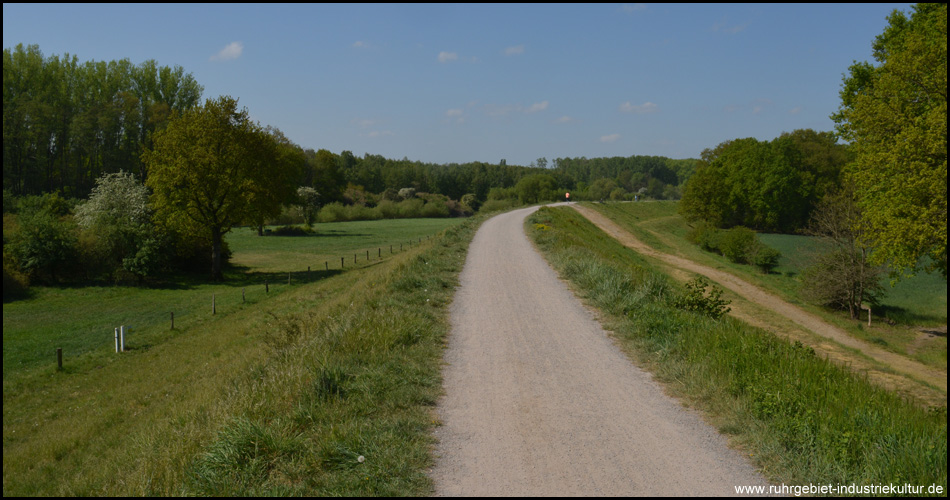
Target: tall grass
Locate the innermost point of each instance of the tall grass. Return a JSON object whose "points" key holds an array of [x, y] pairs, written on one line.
{"points": [[353, 380], [802, 419]]}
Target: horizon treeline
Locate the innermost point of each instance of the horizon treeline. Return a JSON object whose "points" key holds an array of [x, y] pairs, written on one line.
{"points": [[66, 123]]}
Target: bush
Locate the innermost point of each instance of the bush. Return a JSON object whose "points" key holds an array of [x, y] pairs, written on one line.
{"points": [[332, 212], [44, 245], [766, 258], [411, 208], [737, 244], [16, 285], [497, 205], [388, 209], [697, 300], [435, 208], [706, 236], [291, 231]]}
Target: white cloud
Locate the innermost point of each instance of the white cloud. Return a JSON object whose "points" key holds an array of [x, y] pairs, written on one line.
{"points": [[360, 44], [514, 50], [795, 110], [564, 119], [445, 57], [364, 122], [232, 51], [647, 107], [722, 27], [609, 138], [453, 112], [538, 106], [377, 133]]}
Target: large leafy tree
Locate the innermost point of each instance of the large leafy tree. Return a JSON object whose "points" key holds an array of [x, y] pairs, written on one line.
{"points": [[894, 113], [770, 186], [213, 168]]}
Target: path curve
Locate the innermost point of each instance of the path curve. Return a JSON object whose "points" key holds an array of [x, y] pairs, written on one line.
{"points": [[539, 401], [757, 295]]}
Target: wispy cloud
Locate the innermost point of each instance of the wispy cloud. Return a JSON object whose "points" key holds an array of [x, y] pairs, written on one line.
{"points": [[453, 112], [445, 57], [795, 110], [760, 105], [609, 138], [359, 44], [507, 109], [380, 133], [514, 50], [538, 106], [724, 27], [647, 107], [364, 122], [564, 119], [630, 8], [232, 51]]}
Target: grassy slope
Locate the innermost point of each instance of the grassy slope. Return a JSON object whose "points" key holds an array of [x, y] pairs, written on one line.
{"points": [[270, 397], [800, 418], [915, 302]]}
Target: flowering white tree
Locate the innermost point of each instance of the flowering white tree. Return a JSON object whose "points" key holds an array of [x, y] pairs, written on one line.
{"points": [[119, 217]]}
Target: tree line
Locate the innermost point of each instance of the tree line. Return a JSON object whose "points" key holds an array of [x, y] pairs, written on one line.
{"points": [[878, 199], [66, 123]]}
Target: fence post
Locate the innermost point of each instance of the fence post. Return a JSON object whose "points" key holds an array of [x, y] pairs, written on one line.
{"points": [[243, 297], [266, 287], [327, 264], [116, 340], [122, 338], [212, 305], [59, 358], [341, 262], [367, 255], [173, 319]]}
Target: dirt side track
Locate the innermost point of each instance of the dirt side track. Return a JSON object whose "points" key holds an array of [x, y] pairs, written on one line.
{"points": [[837, 337], [540, 401]]}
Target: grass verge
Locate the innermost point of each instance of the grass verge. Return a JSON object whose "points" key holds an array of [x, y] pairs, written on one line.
{"points": [[281, 397], [800, 418]]}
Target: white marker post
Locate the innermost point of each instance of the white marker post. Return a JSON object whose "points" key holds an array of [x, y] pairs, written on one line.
{"points": [[122, 338], [116, 340]]}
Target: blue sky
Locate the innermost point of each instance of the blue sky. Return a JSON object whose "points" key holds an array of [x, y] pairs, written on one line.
{"points": [[474, 82]]}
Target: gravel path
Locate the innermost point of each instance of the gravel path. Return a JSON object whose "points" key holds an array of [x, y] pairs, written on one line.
{"points": [[540, 402]]}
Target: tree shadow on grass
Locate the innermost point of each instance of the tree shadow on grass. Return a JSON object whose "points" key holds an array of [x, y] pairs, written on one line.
{"points": [[903, 316]]}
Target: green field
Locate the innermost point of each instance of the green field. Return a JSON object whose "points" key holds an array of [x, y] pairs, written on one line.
{"points": [[921, 299], [82, 319], [273, 397]]}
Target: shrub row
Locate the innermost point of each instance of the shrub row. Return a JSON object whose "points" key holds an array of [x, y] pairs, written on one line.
{"points": [[739, 245]]}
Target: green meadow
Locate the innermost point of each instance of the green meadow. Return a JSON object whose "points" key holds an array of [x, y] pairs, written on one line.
{"points": [[278, 395]]}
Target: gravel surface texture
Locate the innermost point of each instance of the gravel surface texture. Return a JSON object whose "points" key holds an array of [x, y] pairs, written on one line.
{"points": [[539, 401]]}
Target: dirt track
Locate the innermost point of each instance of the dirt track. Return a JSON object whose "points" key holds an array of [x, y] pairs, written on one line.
{"points": [[795, 314], [539, 401]]}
